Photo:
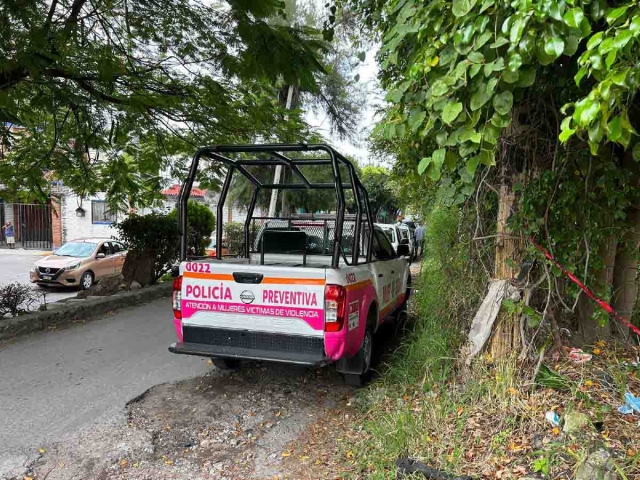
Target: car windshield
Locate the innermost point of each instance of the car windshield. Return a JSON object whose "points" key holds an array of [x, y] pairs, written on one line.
{"points": [[391, 235], [76, 249]]}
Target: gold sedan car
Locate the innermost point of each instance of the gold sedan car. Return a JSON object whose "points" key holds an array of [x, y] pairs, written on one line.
{"points": [[80, 263]]}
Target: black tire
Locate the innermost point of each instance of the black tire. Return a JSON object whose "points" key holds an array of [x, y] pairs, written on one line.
{"points": [[226, 363], [86, 280], [366, 355]]}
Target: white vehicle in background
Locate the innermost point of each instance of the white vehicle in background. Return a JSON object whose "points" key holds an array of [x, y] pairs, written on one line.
{"points": [[408, 234], [392, 232], [396, 236]]}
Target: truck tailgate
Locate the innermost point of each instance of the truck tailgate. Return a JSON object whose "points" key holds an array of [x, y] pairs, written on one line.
{"points": [[231, 310]]}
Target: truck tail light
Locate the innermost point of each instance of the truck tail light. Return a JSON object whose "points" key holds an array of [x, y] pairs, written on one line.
{"points": [[334, 307], [177, 297]]}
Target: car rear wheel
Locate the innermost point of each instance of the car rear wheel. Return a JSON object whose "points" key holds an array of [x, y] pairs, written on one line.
{"points": [[86, 280], [366, 356]]}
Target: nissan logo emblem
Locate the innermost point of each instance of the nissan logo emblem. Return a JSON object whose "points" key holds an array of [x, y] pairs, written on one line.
{"points": [[47, 270], [247, 297]]}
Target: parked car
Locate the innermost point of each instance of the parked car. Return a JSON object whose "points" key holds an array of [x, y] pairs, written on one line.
{"points": [[392, 232], [407, 233], [80, 263], [210, 251], [284, 300]]}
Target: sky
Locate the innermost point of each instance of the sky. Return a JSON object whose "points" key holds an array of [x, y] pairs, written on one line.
{"points": [[357, 148]]}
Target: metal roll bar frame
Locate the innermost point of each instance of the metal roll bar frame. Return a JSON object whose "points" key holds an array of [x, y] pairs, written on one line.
{"points": [[277, 157]]}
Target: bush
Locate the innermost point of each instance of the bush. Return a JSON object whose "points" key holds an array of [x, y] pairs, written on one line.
{"points": [[17, 298], [201, 222], [234, 235], [153, 241]]}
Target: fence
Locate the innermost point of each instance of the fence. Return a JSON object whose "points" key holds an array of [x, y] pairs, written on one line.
{"points": [[31, 224]]}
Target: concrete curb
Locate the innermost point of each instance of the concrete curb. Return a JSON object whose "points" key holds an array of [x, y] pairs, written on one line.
{"points": [[68, 311]]}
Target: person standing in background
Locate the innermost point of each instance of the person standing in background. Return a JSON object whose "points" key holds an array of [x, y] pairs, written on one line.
{"points": [[420, 231], [9, 234]]}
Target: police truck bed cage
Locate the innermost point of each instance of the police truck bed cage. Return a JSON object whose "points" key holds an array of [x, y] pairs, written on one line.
{"points": [[280, 155]]}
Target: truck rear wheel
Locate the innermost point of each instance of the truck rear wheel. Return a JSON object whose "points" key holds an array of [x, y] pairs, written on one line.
{"points": [[366, 355], [226, 363]]}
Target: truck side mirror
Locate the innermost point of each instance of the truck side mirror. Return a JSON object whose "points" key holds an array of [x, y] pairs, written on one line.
{"points": [[403, 250]]}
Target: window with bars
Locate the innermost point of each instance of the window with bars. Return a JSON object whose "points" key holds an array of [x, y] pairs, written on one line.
{"points": [[100, 213]]}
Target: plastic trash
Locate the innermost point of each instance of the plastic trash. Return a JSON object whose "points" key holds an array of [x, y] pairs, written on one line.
{"points": [[553, 418], [577, 355], [632, 405]]}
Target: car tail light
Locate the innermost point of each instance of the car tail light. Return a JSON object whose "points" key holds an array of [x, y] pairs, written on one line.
{"points": [[334, 307], [177, 297]]}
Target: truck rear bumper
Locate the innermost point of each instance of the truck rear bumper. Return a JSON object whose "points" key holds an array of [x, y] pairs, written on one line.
{"points": [[242, 344]]}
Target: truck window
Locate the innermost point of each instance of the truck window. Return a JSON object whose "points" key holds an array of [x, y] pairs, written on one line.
{"points": [[382, 248]]}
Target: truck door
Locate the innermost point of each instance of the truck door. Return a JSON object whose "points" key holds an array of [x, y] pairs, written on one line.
{"points": [[385, 269]]}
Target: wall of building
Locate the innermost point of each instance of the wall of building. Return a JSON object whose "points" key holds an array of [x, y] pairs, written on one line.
{"points": [[74, 227]]}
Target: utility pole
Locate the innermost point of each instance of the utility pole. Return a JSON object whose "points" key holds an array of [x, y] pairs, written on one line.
{"points": [[278, 174]]}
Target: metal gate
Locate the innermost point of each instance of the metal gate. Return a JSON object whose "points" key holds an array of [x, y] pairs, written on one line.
{"points": [[31, 224]]}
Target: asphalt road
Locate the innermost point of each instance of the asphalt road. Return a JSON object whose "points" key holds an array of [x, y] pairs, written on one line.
{"points": [[54, 384], [15, 266]]}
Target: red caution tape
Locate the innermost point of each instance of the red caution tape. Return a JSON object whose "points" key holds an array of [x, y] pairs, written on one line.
{"points": [[587, 291]]}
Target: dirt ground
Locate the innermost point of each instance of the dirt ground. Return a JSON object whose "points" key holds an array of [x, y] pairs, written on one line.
{"points": [[224, 425]]}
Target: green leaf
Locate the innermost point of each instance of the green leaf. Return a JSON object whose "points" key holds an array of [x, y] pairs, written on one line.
{"points": [[622, 38], [574, 17], [462, 7], [450, 160], [581, 73], [424, 163], [472, 165], [615, 129], [596, 132], [362, 56], [554, 46], [515, 61], [490, 134], [566, 134], [475, 57], [595, 40], [606, 46], [517, 27], [500, 41], [636, 152], [416, 117], [620, 78], [486, 5], [527, 77], [615, 13], [475, 68], [482, 40], [503, 102], [487, 157], [439, 88], [438, 156], [510, 77], [586, 112], [451, 111], [480, 97], [500, 121], [635, 25], [611, 58]]}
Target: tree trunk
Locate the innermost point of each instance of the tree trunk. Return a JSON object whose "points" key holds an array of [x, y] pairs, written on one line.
{"points": [[506, 331], [139, 267], [625, 274], [589, 328]]}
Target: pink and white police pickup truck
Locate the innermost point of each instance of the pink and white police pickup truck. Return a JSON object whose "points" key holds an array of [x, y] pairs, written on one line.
{"points": [[305, 289]]}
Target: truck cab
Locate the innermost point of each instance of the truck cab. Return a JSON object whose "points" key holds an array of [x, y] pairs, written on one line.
{"points": [[309, 289]]}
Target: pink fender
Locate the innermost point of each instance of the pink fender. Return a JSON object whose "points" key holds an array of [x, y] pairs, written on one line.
{"points": [[347, 341], [177, 324]]}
